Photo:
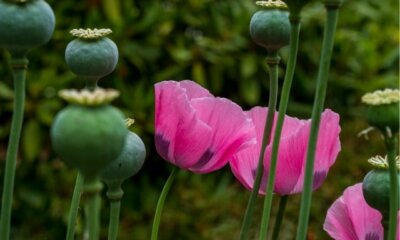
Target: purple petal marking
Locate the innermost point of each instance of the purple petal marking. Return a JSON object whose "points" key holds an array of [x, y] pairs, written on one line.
{"points": [[162, 146], [372, 236], [319, 178], [204, 159]]}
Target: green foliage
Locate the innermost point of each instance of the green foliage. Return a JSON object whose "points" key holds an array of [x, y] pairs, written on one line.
{"points": [[207, 41]]}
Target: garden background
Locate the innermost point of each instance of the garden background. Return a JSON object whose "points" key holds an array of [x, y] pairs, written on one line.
{"points": [[207, 41]]}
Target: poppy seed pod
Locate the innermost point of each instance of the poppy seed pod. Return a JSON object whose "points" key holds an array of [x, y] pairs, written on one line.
{"points": [[128, 163], [270, 28], [383, 109], [25, 25], [90, 134], [376, 184], [91, 55]]}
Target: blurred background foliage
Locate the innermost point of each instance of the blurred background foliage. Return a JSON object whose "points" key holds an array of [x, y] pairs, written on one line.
{"points": [[206, 41]]}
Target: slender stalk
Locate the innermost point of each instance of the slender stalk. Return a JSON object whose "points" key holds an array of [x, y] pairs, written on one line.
{"points": [[73, 211], [272, 61], [114, 194], [19, 66], [287, 83], [93, 188], [160, 204], [279, 217], [391, 147], [115, 206], [322, 80]]}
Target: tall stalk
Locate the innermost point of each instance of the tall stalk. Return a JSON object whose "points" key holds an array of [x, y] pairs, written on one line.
{"points": [[73, 211], [160, 204], [272, 61], [322, 80], [294, 43], [391, 143], [19, 67]]}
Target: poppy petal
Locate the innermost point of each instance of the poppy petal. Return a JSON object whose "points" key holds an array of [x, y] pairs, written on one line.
{"points": [[180, 137], [231, 131]]}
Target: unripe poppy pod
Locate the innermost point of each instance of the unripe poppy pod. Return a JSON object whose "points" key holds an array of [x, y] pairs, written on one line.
{"points": [[128, 163], [88, 136], [383, 110], [25, 24], [270, 28], [91, 55], [376, 186]]}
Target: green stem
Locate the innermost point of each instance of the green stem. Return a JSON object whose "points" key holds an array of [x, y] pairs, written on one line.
{"points": [[287, 83], [93, 202], [322, 82], [391, 147], [279, 217], [114, 194], [19, 66], [73, 211], [272, 61], [115, 206], [160, 204]]}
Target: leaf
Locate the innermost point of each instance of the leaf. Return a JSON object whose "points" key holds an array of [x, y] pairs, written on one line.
{"points": [[5, 91]]}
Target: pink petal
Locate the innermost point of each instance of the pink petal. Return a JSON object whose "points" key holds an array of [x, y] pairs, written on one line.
{"points": [[244, 163], [292, 152], [328, 147], [350, 217], [231, 131], [194, 90], [180, 137]]}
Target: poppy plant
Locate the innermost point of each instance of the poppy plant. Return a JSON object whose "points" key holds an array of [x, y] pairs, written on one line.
{"points": [[195, 130], [350, 218], [292, 152]]}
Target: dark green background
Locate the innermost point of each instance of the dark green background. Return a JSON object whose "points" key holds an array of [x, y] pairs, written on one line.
{"points": [[206, 41]]}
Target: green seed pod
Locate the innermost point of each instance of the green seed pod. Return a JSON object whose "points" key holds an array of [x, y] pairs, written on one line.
{"points": [[88, 134], [270, 28], [91, 55], [128, 163], [25, 25], [383, 109], [376, 185]]}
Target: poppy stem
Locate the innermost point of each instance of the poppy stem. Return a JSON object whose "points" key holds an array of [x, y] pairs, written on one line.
{"points": [[19, 66], [332, 7], [391, 143], [114, 195], [272, 60], [73, 211], [115, 206], [287, 83], [93, 202], [160, 203], [279, 217]]}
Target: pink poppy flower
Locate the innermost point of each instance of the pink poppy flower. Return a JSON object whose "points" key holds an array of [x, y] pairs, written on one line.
{"points": [[292, 152], [195, 130], [350, 218]]}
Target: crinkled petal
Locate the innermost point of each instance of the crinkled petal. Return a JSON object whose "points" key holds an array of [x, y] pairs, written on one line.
{"points": [[231, 131], [180, 137], [350, 217], [194, 90], [328, 147]]}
